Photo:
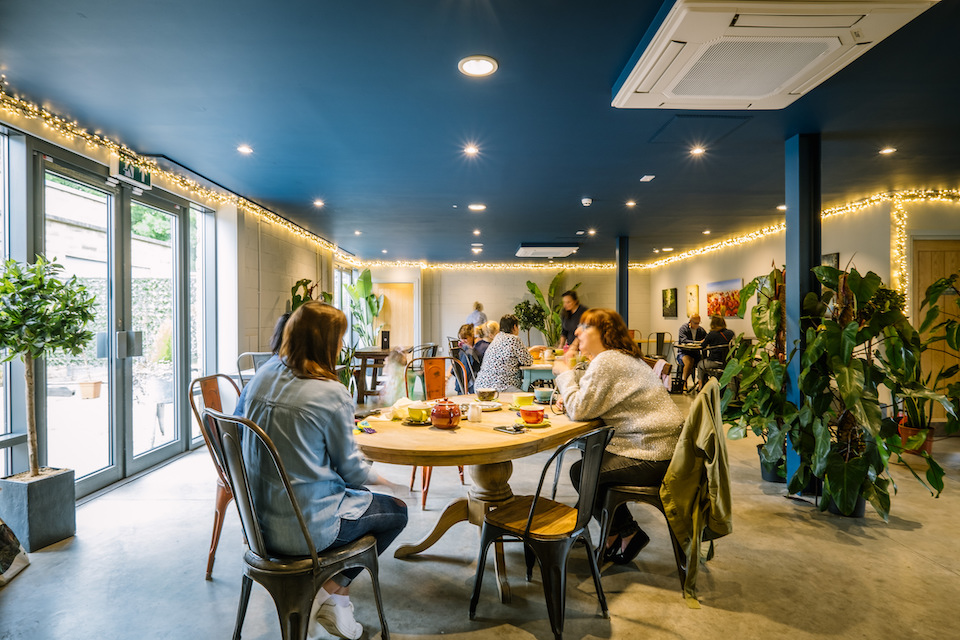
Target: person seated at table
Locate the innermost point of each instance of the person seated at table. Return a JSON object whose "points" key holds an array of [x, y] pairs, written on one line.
{"points": [[690, 333], [488, 332], [716, 346], [468, 356], [299, 402], [620, 389], [501, 364]]}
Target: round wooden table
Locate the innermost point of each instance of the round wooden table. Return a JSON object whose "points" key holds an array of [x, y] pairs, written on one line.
{"points": [[487, 454]]}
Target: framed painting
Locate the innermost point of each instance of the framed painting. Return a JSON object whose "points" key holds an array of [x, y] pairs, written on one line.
{"points": [[830, 260], [670, 303], [723, 298], [693, 299]]}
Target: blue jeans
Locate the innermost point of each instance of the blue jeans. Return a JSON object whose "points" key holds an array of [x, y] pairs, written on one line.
{"points": [[384, 519]]}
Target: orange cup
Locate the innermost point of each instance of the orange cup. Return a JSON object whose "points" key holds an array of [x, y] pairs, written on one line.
{"points": [[533, 415]]}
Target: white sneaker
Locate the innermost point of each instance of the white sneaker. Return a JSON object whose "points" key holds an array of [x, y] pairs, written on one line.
{"points": [[339, 621]]}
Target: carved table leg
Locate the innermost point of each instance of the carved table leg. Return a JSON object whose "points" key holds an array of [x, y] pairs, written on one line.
{"points": [[456, 511]]}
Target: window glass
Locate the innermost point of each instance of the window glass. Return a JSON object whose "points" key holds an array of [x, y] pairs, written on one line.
{"points": [[4, 368]]}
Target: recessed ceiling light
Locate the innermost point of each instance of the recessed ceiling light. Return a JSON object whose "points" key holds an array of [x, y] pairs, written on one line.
{"points": [[318, 203], [477, 66], [668, 248], [647, 178], [477, 207], [631, 203], [781, 207], [586, 201], [592, 232], [656, 250], [383, 251], [476, 232], [706, 232], [471, 150], [698, 151], [454, 206], [887, 150], [476, 244], [357, 232], [477, 250], [245, 149], [581, 232]]}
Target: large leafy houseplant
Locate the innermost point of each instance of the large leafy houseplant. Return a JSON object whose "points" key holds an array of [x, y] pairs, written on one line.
{"points": [[758, 400], [365, 307], [551, 305], [41, 313], [857, 336]]}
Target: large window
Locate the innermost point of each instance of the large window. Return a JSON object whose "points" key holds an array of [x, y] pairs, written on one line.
{"points": [[4, 368]]}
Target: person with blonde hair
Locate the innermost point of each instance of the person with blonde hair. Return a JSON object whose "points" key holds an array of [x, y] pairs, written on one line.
{"points": [[299, 402], [620, 389], [488, 332]]}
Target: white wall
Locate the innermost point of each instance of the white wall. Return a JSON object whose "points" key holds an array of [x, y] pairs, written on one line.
{"points": [[864, 236]]}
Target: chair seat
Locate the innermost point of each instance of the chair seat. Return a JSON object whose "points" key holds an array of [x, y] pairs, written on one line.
{"points": [[550, 520]]}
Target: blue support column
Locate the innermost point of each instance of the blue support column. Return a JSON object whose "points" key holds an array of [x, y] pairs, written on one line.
{"points": [[623, 277], [802, 193]]}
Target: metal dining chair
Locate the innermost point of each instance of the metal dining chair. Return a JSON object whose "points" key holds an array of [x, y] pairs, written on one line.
{"points": [[549, 529], [292, 582], [434, 371], [250, 361], [221, 393]]}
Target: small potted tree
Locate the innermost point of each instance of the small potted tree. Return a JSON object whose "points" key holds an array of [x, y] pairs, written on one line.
{"points": [[40, 313]]}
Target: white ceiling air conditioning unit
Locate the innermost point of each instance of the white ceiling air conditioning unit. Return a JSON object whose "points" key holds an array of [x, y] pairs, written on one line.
{"points": [[751, 54], [546, 250]]}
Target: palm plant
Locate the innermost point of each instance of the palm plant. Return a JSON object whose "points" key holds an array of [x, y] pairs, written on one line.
{"points": [[365, 307], [551, 305]]}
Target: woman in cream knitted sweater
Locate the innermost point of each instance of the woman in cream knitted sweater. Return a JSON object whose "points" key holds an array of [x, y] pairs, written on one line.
{"points": [[619, 388]]}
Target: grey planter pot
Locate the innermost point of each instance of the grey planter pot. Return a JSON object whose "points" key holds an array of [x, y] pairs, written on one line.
{"points": [[40, 511]]}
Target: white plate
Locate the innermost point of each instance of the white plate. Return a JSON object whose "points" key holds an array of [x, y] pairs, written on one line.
{"points": [[490, 406]]}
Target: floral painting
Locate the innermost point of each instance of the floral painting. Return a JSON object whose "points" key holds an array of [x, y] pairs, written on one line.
{"points": [[670, 303], [723, 298]]}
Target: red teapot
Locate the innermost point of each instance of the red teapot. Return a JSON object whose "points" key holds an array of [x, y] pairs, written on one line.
{"points": [[445, 414]]}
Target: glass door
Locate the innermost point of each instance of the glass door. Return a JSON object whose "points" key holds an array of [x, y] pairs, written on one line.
{"points": [[114, 410]]}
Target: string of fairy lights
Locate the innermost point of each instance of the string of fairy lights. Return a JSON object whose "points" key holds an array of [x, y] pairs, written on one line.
{"points": [[72, 131]]}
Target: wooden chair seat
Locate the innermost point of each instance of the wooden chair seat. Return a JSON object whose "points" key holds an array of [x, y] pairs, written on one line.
{"points": [[551, 519]]}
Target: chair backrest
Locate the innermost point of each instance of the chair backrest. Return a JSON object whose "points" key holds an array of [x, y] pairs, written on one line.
{"points": [[425, 350], [663, 338], [220, 393], [592, 444], [452, 343], [233, 430], [248, 363], [434, 375]]}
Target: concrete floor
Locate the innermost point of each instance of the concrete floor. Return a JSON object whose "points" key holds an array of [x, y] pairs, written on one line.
{"points": [[136, 570]]}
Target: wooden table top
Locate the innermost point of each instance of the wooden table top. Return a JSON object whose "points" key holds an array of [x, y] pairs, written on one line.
{"points": [[471, 443]]}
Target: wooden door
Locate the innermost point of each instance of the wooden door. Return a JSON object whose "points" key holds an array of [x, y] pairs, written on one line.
{"points": [[933, 259], [397, 313]]}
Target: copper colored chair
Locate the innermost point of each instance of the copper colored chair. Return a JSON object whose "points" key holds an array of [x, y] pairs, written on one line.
{"points": [[434, 371], [292, 581], [218, 392]]}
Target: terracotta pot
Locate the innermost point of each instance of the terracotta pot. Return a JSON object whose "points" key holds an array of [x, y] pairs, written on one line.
{"points": [[908, 432], [445, 414]]}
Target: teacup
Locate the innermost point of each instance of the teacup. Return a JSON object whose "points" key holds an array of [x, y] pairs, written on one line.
{"points": [[419, 412], [523, 399], [543, 394], [486, 395], [533, 415], [549, 355]]}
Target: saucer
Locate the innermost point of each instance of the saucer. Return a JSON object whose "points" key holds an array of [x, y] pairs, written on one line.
{"points": [[517, 407], [490, 406], [545, 404], [536, 425], [411, 423]]}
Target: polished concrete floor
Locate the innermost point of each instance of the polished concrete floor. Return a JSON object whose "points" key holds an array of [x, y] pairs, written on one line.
{"points": [[136, 570]]}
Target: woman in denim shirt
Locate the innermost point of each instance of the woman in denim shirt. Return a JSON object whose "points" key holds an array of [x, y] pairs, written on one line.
{"points": [[299, 402]]}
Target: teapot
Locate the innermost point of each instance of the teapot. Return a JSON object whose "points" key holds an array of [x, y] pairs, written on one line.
{"points": [[445, 414]]}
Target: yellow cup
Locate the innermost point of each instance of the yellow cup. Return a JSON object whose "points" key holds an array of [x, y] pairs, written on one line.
{"points": [[418, 413], [523, 399]]}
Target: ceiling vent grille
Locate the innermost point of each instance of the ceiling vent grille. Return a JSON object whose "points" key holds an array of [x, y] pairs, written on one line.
{"points": [[545, 250], [717, 54]]}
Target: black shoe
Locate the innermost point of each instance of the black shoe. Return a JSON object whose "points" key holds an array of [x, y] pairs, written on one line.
{"points": [[613, 549], [635, 546]]}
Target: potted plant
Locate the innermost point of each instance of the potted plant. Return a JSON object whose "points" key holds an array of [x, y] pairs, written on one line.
{"points": [[754, 380], [531, 316], [39, 314], [365, 307], [856, 336], [909, 383], [551, 305]]}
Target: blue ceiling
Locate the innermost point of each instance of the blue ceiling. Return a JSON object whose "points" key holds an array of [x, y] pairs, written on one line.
{"points": [[360, 103]]}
